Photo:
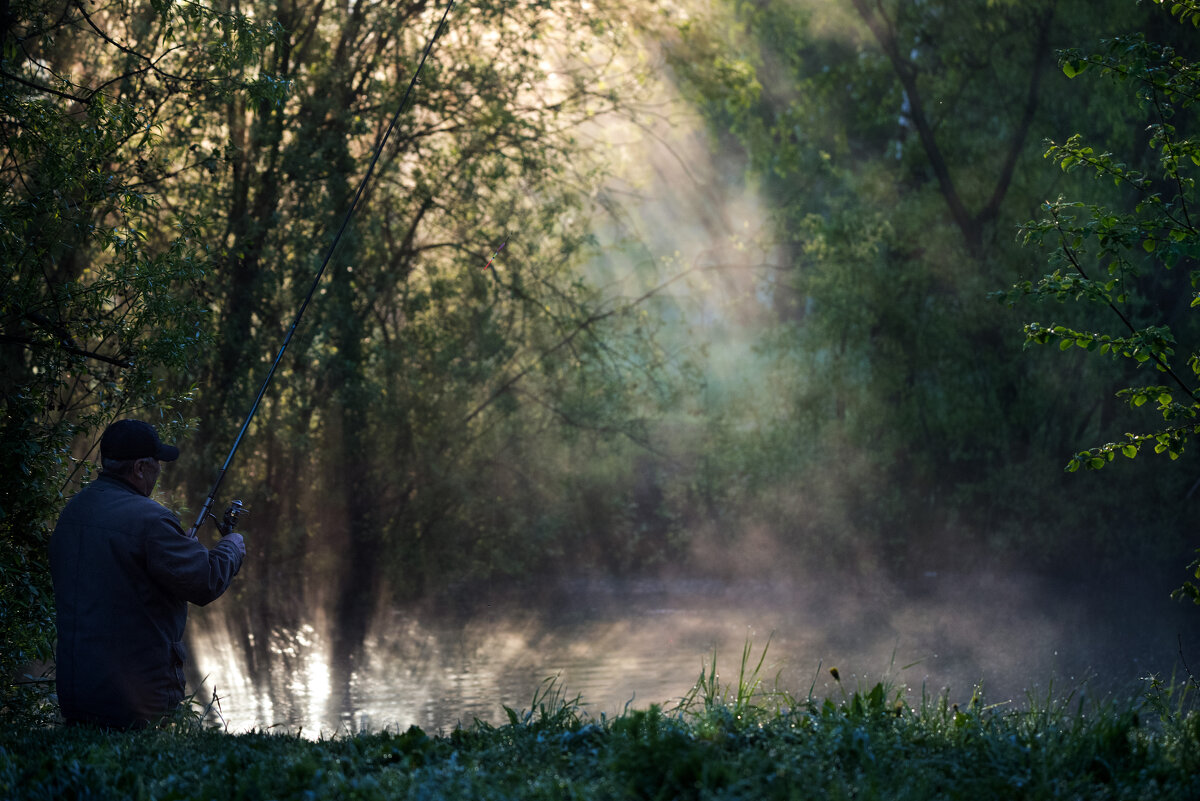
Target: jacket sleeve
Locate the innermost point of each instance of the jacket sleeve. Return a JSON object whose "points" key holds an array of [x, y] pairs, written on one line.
{"points": [[184, 567]]}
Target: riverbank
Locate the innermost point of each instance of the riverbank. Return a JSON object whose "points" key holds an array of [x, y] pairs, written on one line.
{"points": [[730, 739]]}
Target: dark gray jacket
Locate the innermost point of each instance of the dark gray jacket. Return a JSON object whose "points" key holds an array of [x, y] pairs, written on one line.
{"points": [[124, 572]]}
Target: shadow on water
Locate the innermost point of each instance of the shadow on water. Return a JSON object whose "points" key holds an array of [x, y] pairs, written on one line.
{"points": [[644, 642]]}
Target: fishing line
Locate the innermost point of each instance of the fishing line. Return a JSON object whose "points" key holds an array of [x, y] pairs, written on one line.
{"points": [[208, 502]]}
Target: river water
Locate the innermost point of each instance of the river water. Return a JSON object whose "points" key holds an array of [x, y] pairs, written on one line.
{"points": [[646, 642]]}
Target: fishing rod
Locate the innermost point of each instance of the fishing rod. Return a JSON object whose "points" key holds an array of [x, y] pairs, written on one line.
{"points": [[236, 507]]}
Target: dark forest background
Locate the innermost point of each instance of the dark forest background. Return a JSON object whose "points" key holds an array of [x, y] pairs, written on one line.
{"points": [[848, 383]]}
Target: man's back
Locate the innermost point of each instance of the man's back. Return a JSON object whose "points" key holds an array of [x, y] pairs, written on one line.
{"points": [[124, 572]]}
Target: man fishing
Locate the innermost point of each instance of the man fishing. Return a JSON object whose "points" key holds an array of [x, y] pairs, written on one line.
{"points": [[124, 572]]}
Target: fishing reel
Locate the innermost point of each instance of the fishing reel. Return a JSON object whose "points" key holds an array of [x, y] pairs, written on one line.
{"points": [[229, 522]]}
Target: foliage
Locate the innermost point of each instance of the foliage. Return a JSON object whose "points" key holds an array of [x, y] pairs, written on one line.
{"points": [[865, 743], [95, 314], [173, 174], [441, 427], [895, 144], [418, 436], [1187, 11], [1134, 258], [1132, 262]]}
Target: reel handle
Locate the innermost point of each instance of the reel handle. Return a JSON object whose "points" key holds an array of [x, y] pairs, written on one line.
{"points": [[229, 523]]}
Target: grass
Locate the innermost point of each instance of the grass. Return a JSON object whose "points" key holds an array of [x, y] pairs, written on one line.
{"points": [[735, 741]]}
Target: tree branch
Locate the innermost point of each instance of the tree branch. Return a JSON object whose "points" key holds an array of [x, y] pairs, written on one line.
{"points": [[81, 100], [9, 339], [584, 325], [1040, 52], [886, 36]]}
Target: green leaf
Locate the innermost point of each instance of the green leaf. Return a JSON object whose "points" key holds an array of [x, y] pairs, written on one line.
{"points": [[1073, 67], [1129, 450]]}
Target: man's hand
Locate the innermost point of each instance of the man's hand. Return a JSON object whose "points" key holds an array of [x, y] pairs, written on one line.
{"points": [[235, 511]]}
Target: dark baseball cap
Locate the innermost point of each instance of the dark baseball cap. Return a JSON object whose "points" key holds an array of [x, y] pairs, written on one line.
{"points": [[133, 439]]}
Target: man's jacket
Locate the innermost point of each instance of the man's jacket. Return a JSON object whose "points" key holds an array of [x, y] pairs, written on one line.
{"points": [[124, 572]]}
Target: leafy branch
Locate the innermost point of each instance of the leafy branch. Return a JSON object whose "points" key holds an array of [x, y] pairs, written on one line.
{"points": [[1123, 260], [1186, 11]]}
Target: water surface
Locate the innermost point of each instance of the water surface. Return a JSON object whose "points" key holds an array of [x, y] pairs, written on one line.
{"points": [[644, 642]]}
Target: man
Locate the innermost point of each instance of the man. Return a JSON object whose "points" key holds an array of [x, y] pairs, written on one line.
{"points": [[124, 572]]}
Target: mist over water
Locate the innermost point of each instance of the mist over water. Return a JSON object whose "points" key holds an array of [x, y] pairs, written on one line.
{"points": [[642, 642]]}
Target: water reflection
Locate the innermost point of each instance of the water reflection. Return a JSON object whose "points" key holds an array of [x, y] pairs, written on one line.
{"points": [[646, 642]]}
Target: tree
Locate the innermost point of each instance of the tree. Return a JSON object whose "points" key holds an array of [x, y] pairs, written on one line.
{"points": [[1133, 256], [96, 314], [894, 143], [414, 439]]}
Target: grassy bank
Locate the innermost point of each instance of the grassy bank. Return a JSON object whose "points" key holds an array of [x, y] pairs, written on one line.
{"points": [[734, 741]]}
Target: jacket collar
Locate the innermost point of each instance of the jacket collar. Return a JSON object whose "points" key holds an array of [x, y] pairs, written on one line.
{"points": [[112, 478]]}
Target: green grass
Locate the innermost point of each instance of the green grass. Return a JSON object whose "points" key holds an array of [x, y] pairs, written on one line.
{"points": [[735, 741]]}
